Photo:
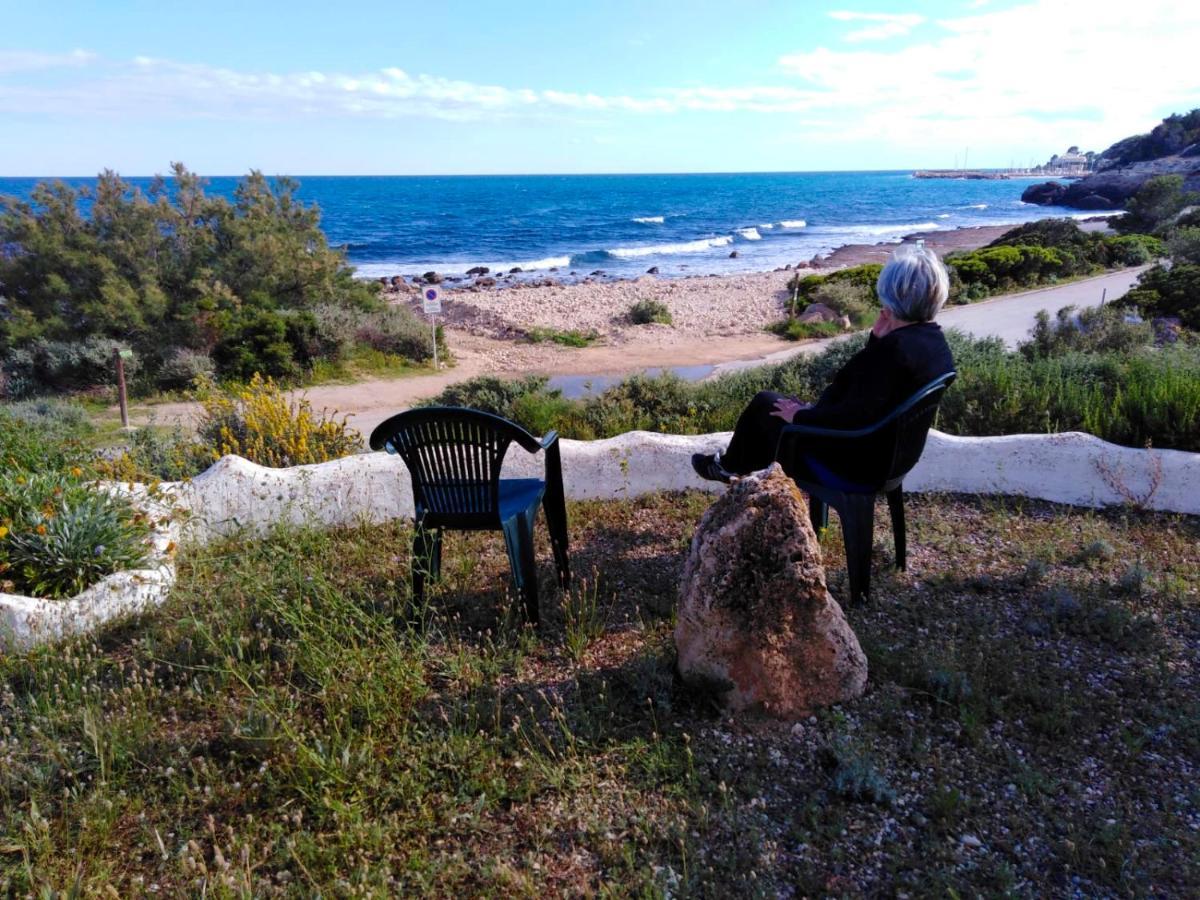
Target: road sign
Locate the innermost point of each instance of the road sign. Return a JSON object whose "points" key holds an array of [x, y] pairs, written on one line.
{"points": [[431, 301]]}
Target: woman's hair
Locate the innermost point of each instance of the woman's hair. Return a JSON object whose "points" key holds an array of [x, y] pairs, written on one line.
{"points": [[913, 284]]}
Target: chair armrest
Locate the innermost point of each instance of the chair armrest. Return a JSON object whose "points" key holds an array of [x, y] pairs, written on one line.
{"points": [[550, 438], [819, 431]]}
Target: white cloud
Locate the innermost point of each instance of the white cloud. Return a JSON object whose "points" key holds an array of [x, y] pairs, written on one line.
{"points": [[1040, 75], [1047, 72], [12, 61], [883, 27]]}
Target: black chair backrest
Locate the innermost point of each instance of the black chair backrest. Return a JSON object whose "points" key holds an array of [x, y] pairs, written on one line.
{"points": [[874, 456], [454, 456], [911, 422]]}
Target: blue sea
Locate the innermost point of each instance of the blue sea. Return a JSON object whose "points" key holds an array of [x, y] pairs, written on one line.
{"points": [[626, 224]]}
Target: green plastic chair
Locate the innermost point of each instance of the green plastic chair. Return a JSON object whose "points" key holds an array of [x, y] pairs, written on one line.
{"points": [[880, 455], [454, 456]]}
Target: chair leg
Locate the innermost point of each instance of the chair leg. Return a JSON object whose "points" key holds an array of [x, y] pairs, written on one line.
{"points": [[426, 559], [518, 539], [556, 525], [895, 498], [818, 514], [858, 528]]}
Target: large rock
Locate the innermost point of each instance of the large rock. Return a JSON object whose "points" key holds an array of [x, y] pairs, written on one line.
{"points": [[756, 620], [1046, 194], [819, 312]]}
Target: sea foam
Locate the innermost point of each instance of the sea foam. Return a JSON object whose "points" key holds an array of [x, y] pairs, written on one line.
{"points": [[793, 223], [668, 249], [650, 220], [750, 234]]}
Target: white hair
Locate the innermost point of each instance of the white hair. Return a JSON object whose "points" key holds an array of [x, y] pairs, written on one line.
{"points": [[914, 283]]}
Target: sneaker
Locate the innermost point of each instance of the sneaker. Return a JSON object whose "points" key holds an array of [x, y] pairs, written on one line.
{"points": [[708, 468]]}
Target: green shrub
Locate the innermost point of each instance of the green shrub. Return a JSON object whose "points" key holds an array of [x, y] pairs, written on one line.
{"points": [[570, 338], [492, 394], [182, 367], [1092, 330], [1169, 292], [1155, 206], [795, 330], [803, 286], [650, 312], [160, 271], [1134, 249], [58, 535], [43, 436], [154, 454], [1183, 245], [848, 298]]}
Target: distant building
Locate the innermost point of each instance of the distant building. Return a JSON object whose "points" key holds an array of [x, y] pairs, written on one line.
{"points": [[1070, 163]]}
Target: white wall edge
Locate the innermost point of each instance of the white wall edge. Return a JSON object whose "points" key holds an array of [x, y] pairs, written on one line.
{"points": [[28, 621], [1070, 468]]}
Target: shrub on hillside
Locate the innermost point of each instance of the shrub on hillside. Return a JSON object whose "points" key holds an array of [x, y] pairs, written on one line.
{"points": [[848, 298], [1156, 205], [650, 312], [165, 270], [183, 367], [1173, 291], [803, 286], [1183, 245], [1094, 330], [260, 423], [1133, 249], [993, 270]]}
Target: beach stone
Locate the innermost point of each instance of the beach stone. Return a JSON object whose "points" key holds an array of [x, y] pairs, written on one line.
{"points": [[398, 281], [819, 312], [485, 282], [383, 280], [1046, 194], [514, 270], [478, 270], [653, 270], [597, 272], [756, 621], [432, 278], [733, 254], [845, 324]]}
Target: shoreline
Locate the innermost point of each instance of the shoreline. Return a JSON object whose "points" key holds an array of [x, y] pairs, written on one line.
{"points": [[709, 312]]}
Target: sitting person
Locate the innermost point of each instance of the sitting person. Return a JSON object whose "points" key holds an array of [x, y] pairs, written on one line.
{"points": [[906, 351]]}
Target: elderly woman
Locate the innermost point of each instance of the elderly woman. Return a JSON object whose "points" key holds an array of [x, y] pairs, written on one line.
{"points": [[906, 350]]}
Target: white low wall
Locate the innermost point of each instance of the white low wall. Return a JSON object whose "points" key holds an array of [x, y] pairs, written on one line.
{"points": [[1066, 468], [25, 621], [235, 495]]}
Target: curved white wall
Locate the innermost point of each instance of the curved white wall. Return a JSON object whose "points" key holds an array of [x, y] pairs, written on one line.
{"points": [[235, 494], [1066, 468]]}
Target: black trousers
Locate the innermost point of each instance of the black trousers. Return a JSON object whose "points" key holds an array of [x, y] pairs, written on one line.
{"points": [[755, 435]]}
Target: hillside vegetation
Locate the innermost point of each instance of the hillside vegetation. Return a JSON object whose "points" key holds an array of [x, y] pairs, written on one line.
{"points": [[192, 284]]}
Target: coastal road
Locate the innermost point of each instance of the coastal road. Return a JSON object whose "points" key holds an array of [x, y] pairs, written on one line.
{"points": [[368, 403], [1009, 317]]}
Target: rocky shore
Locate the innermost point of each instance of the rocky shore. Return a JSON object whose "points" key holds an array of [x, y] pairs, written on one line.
{"points": [[598, 307]]}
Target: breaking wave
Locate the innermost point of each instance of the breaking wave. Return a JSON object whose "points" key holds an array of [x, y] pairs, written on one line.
{"points": [[650, 220], [750, 234], [793, 223], [667, 249]]}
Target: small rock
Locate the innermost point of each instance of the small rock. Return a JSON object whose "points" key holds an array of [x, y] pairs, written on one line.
{"points": [[733, 254], [919, 820], [485, 282], [478, 270], [397, 281], [432, 278], [818, 312], [653, 270], [597, 272], [514, 270], [969, 840]]}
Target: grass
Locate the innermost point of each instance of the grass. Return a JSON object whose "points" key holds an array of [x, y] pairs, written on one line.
{"points": [[287, 724], [571, 338]]}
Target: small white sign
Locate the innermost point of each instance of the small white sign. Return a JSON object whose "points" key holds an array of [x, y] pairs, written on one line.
{"points": [[431, 301]]}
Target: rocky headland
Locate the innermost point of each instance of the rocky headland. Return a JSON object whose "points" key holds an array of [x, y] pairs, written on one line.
{"points": [[1172, 148]]}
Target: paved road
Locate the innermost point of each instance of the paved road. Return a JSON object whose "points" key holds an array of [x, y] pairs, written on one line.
{"points": [[1009, 317]]}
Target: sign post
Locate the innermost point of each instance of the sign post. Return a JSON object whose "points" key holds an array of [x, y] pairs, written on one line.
{"points": [[119, 357], [431, 303]]}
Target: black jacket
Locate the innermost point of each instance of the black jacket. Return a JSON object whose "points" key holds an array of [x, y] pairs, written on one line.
{"points": [[881, 376]]}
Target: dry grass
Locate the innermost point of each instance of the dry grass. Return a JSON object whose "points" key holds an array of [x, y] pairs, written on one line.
{"points": [[289, 724]]}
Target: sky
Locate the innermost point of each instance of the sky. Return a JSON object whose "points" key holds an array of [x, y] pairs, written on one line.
{"points": [[560, 86]]}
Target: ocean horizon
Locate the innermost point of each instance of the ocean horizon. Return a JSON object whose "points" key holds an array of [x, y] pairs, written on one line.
{"points": [[622, 225]]}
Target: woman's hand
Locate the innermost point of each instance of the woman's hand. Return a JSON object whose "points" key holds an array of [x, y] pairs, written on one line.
{"points": [[786, 408]]}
